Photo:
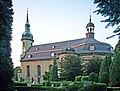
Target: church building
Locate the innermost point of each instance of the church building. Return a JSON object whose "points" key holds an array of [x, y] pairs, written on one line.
{"points": [[36, 59]]}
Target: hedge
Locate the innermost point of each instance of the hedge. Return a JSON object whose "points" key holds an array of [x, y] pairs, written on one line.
{"points": [[95, 87], [26, 88]]}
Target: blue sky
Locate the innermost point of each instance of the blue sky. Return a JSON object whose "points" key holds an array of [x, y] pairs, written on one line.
{"points": [[54, 21]]}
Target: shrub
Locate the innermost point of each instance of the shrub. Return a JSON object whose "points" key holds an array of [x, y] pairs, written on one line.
{"points": [[56, 84], [95, 87], [78, 78], [84, 78], [65, 83], [73, 87], [20, 83], [26, 88], [92, 77], [46, 83], [37, 85]]}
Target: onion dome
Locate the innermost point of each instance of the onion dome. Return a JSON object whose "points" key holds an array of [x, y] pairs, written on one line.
{"points": [[27, 35]]}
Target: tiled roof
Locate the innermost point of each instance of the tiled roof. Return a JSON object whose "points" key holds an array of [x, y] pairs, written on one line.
{"points": [[44, 51]]}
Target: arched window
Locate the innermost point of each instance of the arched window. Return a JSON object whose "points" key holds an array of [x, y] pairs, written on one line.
{"points": [[50, 67], [28, 71], [38, 70]]}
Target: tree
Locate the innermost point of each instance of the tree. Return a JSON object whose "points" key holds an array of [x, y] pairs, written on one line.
{"points": [[70, 67], [109, 9], [105, 78], [93, 65], [46, 76], [6, 65], [115, 67], [54, 70], [105, 67]]}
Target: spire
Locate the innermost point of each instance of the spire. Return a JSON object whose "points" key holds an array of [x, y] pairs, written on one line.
{"points": [[27, 21], [27, 25], [90, 18]]}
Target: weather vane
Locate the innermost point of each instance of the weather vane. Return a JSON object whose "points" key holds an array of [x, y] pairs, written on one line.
{"points": [[117, 30]]}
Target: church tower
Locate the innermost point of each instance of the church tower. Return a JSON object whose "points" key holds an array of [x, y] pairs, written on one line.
{"points": [[27, 37], [90, 29]]}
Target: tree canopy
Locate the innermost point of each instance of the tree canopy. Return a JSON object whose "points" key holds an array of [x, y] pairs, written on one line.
{"points": [[70, 67], [109, 9], [93, 65]]}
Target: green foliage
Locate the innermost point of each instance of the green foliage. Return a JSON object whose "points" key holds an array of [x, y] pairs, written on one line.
{"points": [[73, 87], [56, 84], [92, 77], [6, 65], [20, 83], [65, 83], [109, 9], [46, 83], [104, 69], [94, 87], [113, 88], [78, 78], [84, 78], [38, 88], [105, 78], [70, 67], [46, 76], [93, 65], [115, 67], [16, 73], [54, 71]]}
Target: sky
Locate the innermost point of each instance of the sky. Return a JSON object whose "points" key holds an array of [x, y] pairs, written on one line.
{"points": [[55, 21]]}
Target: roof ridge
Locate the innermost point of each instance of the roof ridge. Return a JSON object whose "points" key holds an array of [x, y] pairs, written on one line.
{"points": [[57, 42]]}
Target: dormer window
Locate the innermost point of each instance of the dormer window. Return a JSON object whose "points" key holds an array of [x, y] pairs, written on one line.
{"points": [[92, 48], [52, 54], [53, 46], [36, 49], [29, 56]]}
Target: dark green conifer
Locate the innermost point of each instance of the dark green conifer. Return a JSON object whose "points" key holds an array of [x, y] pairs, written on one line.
{"points": [[6, 65], [104, 69], [115, 67], [54, 70]]}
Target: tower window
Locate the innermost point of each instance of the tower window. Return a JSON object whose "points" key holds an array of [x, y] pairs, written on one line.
{"points": [[90, 29]]}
